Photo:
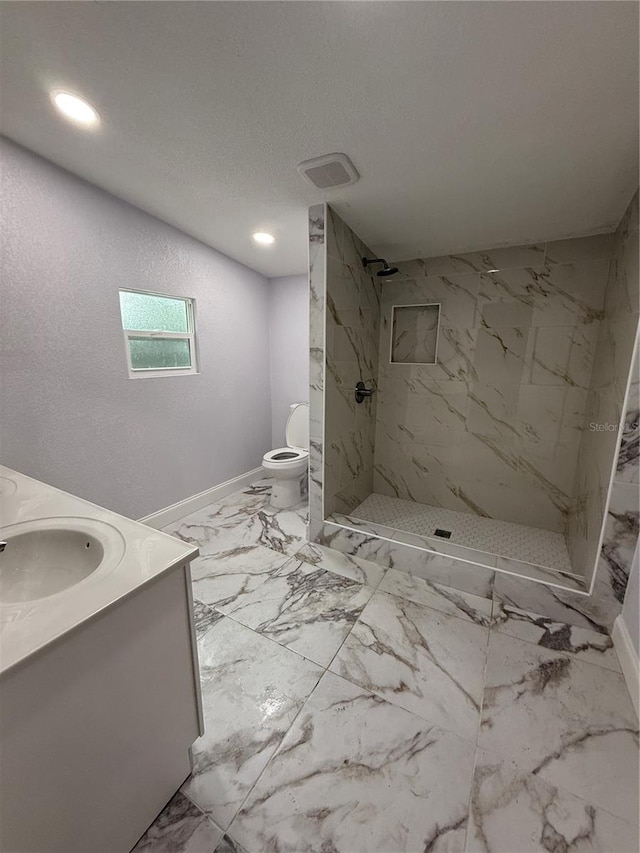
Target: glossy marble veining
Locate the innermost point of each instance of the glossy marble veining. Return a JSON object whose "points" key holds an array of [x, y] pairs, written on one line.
{"points": [[351, 707], [535, 346], [493, 426]]}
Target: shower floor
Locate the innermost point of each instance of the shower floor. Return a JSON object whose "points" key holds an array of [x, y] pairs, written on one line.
{"points": [[506, 539]]}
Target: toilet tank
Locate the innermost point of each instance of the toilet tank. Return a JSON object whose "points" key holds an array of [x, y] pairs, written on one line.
{"points": [[297, 431]]}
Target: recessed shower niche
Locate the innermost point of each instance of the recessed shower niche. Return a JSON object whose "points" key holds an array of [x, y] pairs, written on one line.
{"points": [[487, 370], [414, 334]]}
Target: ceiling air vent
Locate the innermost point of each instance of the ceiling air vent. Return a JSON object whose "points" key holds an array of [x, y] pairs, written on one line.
{"points": [[332, 170]]}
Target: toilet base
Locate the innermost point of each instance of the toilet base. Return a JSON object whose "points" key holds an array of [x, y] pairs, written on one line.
{"points": [[286, 493]]}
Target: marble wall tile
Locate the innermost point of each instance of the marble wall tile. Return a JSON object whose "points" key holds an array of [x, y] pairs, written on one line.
{"points": [[414, 334], [351, 354], [434, 561], [579, 249], [423, 559], [366, 546], [317, 303], [619, 542], [504, 258], [516, 342], [615, 366], [554, 577], [628, 464], [521, 435]]}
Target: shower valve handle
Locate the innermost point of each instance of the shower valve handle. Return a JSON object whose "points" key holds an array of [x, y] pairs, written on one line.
{"points": [[361, 392]]}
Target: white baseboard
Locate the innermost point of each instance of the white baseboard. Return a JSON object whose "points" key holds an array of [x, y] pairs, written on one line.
{"points": [[176, 511], [628, 658]]}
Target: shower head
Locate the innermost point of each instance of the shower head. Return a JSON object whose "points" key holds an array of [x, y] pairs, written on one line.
{"points": [[386, 269]]}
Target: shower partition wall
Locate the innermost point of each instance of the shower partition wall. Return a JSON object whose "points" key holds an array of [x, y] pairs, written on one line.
{"points": [[352, 324], [486, 455]]}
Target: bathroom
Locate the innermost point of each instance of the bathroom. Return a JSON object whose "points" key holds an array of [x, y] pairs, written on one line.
{"points": [[280, 609]]}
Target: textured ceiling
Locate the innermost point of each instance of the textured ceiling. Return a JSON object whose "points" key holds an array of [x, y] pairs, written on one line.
{"points": [[472, 125]]}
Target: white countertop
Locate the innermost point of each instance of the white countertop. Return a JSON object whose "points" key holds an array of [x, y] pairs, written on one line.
{"points": [[27, 627]]}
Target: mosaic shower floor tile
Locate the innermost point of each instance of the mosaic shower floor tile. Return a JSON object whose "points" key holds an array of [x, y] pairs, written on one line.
{"points": [[504, 538]]}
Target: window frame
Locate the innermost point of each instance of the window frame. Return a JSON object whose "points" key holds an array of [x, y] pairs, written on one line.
{"points": [[159, 334]]}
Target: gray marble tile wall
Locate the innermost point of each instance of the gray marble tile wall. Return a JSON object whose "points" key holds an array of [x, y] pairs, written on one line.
{"points": [[597, 610], [604, 408], [493, 427], [352, 331], [317, 301]]}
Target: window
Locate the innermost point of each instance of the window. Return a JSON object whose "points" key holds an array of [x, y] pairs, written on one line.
{"points": [[159, 333]]}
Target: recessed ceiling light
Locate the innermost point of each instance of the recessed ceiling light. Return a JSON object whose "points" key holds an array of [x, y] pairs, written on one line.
{"points": [[263, 238], [74, 108]]}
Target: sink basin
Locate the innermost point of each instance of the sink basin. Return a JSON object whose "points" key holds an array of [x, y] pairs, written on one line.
{"points": [[46, 557]]}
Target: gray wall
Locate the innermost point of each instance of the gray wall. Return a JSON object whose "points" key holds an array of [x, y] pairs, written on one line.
{"points": [[289, 348], [70, 415]]}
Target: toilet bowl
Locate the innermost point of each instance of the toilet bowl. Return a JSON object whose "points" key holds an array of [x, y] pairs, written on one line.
{"points": [[288, 465]]}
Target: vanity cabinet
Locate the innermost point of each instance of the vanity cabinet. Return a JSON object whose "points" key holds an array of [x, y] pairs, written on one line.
{"points": [[96, 727]]}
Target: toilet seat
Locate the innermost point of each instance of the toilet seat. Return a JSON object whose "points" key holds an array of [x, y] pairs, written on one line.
{"points": [[285, 457]]}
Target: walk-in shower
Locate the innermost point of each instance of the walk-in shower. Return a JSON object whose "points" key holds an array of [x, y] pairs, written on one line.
{"points": [[492, 372]]}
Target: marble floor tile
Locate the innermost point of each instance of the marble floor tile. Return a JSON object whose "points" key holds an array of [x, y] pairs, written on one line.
{"points": [[229, 845], [472, 608], [180, 828], [232, 509], [230, 575], [287, 525], [359, 775], [561, 605], [214, 539], [383, 761], [427, 662], [284, 531], [204, 617], [516, 812], [252, 690], [566, 721], [306, 609], [353, 568], [585, 644]]}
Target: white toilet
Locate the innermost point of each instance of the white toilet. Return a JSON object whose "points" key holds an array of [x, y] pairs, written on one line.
{"points": [[288, 465]]}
